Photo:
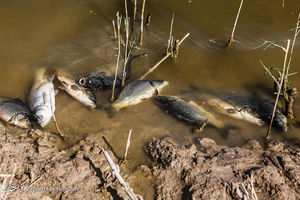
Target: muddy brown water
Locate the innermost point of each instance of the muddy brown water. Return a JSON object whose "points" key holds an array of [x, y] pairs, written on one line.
{"points": [[77, 36]]}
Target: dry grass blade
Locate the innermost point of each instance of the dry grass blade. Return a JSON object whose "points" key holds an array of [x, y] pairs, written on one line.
{"points": [[231, 40], [162, 60], [54, 118], [118, 57], [279, 89]]}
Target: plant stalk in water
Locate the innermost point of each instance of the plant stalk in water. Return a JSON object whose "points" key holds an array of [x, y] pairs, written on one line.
{"points": [[114, 29], [231, 40], [126, 45], [170, 36], [279, 88], [142, 24], [291, 53], [119, 21]]}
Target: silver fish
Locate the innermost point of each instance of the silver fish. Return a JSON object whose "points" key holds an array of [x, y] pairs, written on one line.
{"points": [[72, 87], [137, 91], [254, 109], [42, 97], [14, 111], [188, 112]]}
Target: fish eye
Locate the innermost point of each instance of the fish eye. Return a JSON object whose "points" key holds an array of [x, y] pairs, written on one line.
{"points": [[82, 81], [40, 118]]}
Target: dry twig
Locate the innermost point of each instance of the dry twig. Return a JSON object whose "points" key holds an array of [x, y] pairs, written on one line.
{"points": [[162, 60], [116, 171], [231, 40]]}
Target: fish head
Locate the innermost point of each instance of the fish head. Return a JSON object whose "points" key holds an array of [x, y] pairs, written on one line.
{"points": [[76, 89], [83, 94], [43, 115], [159, 84], [22, 120]]}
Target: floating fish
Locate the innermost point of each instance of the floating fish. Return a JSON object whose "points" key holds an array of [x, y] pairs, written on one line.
{"points": [[14, 111], [103, 81], [137, 91], [188, 112], [72, 87], [253, 109], [99, 82], [42, 97]]}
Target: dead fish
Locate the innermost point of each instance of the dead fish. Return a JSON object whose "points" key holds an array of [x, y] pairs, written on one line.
{"points": [[253, 109], [137, 91], [101, 81], [42, 97], [189, 112], [14, 111], [72, 87]]}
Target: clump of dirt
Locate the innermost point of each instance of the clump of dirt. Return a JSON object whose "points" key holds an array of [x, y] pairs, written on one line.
{"points": [[41, 171], [206, 170]]}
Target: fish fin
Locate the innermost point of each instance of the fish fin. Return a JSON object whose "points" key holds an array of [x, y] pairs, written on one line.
{"points": [[156, 92], [56, 92]]}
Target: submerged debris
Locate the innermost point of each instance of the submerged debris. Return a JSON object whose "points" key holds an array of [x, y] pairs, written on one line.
{"points": [[14, 111], [137, 91], [188, 112], [72, 87]]}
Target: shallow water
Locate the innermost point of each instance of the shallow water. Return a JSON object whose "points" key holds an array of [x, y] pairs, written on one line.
{"points": [[77, 36]]}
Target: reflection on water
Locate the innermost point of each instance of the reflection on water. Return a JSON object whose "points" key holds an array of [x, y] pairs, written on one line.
{"points": [[77, 36]]}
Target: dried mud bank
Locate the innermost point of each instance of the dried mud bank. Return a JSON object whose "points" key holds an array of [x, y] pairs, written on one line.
{"points": [[41, 171], [206, 170], [203, 170]]}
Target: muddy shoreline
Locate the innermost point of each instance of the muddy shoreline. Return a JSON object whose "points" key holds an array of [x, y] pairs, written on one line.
{"points": [[202, 170]]}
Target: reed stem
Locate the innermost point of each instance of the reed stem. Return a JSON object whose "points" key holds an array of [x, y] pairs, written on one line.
{"points": [[119, 21], [170, 36], [142, 24], [126, 45], [231, 40], [279, 88]]}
